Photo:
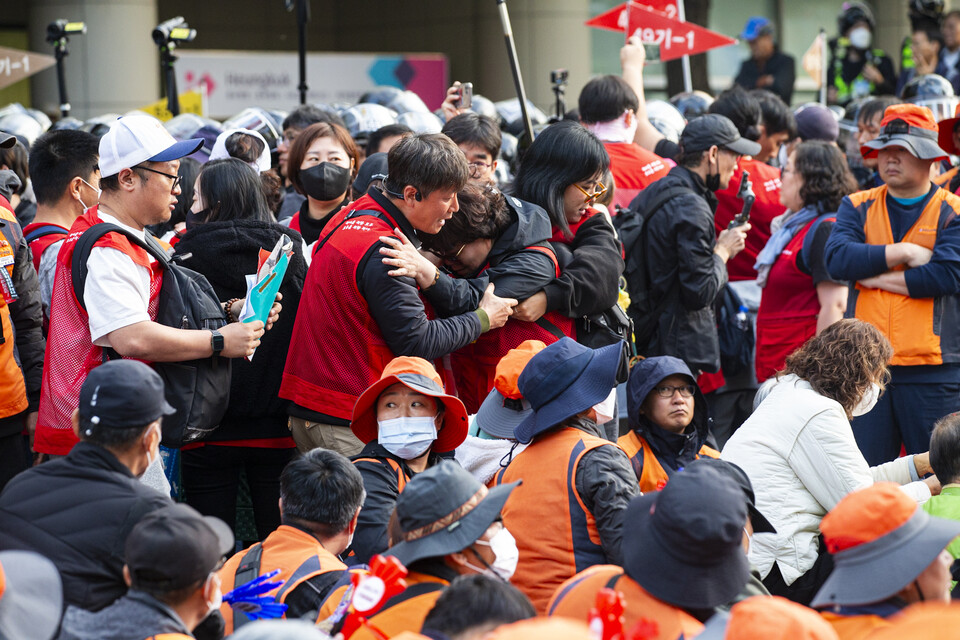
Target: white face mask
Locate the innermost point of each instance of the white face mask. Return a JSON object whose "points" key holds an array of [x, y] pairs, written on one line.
{"points": [[218, 598], [860, 38], [151, 456], [606, 408], [506, 556], [407, 437], [868, 401], [99, 191]]}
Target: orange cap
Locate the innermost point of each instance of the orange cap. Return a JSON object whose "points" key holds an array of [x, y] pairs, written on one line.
{"points": [[511, 366], [914, 115], [927, 620], [765, 617], [865, 515], [543, 629]]}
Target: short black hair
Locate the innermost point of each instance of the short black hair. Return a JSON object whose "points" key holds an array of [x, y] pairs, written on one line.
{"points": [[308, 114], [606, 98], [477, 603], [472, 128], [428, 161], [483, 214], [323, 488], [869, 109], [115, 438], [777, 117], [945, 449], [742, 109], [57, 157], [386, 131], [932, 31], [172, 597]]}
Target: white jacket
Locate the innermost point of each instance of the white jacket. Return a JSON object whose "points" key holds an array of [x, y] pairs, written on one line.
{"points": [[800, 454]]}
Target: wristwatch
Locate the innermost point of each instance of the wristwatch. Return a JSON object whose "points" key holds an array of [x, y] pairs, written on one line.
{"points": [[216, 341]]}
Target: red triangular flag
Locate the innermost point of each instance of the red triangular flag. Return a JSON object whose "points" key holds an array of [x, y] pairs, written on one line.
{"points": [[616, 18], [676, 38]]}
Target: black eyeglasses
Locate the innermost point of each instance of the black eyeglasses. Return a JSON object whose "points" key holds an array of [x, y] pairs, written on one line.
{"points": [[176, 179], [666, 391], [450, 256]]}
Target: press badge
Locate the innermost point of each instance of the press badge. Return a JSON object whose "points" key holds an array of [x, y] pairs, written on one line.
{"points": [[7, 288]]}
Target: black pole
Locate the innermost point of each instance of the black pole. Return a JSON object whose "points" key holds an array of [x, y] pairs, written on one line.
{"points": [[166, 63], [515, 67], [60, 51], [303, 16]]}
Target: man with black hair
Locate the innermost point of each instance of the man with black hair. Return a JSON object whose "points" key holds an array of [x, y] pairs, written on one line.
{"points": [[868, 128], [779, 126], [474, 605], [608, 108], [171, 557], [479, 139], [66, 182], [767, 68], [381, 140], [78, 510], [320, 498], [297, 120]]}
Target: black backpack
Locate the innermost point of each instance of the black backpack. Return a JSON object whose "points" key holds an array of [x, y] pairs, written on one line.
{"points": [[631, 225], [198, 389], [734, 332]]}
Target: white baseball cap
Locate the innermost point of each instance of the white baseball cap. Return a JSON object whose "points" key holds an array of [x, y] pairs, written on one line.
{"points": [[135, 139]]}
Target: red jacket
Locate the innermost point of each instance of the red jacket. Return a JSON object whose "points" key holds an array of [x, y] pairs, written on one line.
{"points": [[633, 169]]}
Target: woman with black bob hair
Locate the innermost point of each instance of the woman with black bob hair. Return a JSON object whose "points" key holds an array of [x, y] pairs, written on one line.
{"points": [[228, 225], [799, 297], [562, 172]]}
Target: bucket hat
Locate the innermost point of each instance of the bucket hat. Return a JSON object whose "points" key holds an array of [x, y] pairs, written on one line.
{"points": [[909, 126], [505, 407], [419, 375], [946, 127], [755, 27], [444, 510], [31, 597], [563, 380], [880, 540], [734, 472], [768, 618], [692, 531]]}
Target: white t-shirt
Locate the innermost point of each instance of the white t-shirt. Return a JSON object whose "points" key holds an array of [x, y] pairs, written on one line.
{"points": [[117, 289]]}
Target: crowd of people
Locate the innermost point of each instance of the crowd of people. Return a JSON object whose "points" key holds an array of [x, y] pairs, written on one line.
{"points": [[651, 374]]}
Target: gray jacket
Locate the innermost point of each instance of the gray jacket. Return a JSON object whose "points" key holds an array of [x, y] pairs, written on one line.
{"points": [[135, 616]]}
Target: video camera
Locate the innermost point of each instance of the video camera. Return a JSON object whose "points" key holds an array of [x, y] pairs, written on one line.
{"points": [[59, 29], [172, 31]]}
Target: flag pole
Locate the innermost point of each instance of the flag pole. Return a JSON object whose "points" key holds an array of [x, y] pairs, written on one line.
{"points": [[823, 66], [515, 67], [685, 61]]}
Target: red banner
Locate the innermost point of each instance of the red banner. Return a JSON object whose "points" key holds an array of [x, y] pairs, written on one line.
{"points": [[616, 19]]}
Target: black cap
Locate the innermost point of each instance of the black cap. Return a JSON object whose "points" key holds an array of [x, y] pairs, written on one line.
{"points": [[714, 129], [175, 547], [373, 168], [734, 472], [121, 394]]}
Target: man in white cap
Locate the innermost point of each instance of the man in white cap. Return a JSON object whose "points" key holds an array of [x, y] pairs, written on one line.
{"points": [[138, 168]]}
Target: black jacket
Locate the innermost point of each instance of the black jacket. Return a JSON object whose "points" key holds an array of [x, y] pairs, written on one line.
{"points": [[225, 252], [591, 266], [781, 66], [517, 272], [684, 271], [77, 511]]}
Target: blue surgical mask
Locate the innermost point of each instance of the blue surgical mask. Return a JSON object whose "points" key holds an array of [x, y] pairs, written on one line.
{"points": [[407, 437]]}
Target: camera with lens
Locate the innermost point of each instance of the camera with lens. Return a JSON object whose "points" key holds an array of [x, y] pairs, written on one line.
{"points": [[173, 30], [559, 76], [59, 29]]}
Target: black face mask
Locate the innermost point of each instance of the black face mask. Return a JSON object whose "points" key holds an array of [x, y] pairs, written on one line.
{"points": [[325, 181], [193, 219]]}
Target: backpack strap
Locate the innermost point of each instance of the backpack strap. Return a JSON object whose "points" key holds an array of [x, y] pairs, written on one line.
{"points": [[43, 231], [247, 571], [612, 582], [350, 216], [85, 244]]}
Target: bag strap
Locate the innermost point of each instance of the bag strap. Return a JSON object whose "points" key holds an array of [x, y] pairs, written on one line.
{"points": [[419, 589], [43, 231], [248, 571], [353, 214], [612, 582], [85, 244]]}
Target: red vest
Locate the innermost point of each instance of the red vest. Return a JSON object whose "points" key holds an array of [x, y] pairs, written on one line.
{"points": [[633, 169], [475, 365], [788, 309], [337, 349], [70, 354], [556, 535], [38, 246], [766, 186]]}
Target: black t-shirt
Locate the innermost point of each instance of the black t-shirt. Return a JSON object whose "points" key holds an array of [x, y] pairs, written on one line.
{"points": [[812, 252]]}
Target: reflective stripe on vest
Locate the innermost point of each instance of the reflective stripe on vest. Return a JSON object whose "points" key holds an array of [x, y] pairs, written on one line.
{"points": [[912, 325], [13, 389], [398, 472], [556, 535], [651, 475]]}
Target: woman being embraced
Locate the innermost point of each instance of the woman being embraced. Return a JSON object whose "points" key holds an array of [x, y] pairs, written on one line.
{"points": [[799, 451]]}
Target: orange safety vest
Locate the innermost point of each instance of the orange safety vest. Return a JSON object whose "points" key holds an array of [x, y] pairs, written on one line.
{"points": [[556, 535], [171, 636], [578, 595], [407, 610], [914, 326], [943, 180], [297, 554], [13, 389], [854, 627], [650, 472]]}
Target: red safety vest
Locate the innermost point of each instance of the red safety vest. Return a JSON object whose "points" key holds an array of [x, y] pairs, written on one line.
{"points": [[650, 473], [337, 349], [297, 554], [70, 354], [556, 535], [633, 169], [475, 365], [913, 325], [766, 186], [788, 309], [13, 388]]}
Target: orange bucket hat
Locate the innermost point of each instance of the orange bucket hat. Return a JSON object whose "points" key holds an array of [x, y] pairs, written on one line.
{"points": [[765, 618], [504, 407], [419, 375], [909, 126]]}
